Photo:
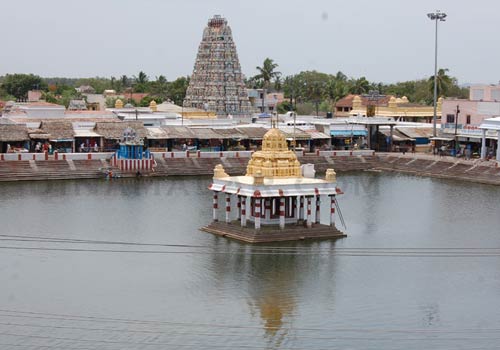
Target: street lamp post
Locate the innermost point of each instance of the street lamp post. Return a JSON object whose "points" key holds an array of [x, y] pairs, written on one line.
{"points": [[436, 16]]}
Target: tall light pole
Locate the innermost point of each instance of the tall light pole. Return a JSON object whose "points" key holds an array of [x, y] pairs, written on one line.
{"points": [[436, 16]]}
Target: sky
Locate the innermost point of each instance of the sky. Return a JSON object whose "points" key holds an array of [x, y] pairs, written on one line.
{"points": [[385, 40]]}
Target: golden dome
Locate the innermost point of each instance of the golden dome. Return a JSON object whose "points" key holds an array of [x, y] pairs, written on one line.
{"points": [[118, 103], [275, 159], [153, 106]]}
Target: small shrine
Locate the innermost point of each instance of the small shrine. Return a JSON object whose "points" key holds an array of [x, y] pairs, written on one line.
{"points": [[131, 155], [276, 200]]}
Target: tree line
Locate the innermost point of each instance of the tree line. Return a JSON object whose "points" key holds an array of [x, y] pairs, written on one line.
{"points": [[305, 91], [61, 90], [309, 89]]}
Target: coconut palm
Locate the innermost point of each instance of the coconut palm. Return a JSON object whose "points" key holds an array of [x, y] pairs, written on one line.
{"points": [[267, 72], [443, 82]]}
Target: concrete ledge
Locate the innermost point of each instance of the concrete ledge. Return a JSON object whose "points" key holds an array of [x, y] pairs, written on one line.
{"points": [[269, 234]]}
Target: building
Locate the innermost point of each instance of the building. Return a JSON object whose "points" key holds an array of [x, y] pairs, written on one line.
{"points": [[216, 84], [385, 106], [265, 102], [276, 198], [484, 93], [462, 119]]}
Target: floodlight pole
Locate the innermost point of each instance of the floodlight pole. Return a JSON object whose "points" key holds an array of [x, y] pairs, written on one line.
{"points": [[437, 16]]}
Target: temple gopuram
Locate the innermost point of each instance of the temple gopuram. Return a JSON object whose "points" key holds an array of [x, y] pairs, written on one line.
{"points": [[275, 199], [217, 82]]}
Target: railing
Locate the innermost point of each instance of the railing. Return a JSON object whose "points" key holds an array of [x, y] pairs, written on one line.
{"points": [[166, 155], [56, 156]]}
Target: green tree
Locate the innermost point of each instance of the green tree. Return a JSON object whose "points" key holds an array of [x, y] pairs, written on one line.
{"points": [[443, 82], [146, 100], [141, 82], [159, 87], [177, 90], [267, 72], [18, 85], [359, 86]]}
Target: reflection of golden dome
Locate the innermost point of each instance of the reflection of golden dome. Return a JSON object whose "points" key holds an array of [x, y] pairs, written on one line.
{"points": [[118, 103], [275, 159]]}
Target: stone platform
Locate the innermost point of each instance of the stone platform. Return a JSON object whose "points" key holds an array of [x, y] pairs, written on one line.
{"points": [[269, 234]]}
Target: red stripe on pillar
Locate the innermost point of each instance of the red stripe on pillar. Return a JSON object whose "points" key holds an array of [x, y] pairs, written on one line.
{"points": [[333, 210], [282, 213]]}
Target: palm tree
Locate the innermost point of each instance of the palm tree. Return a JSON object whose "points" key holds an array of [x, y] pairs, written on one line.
{"points": [[443, 82], [360, 86], [142, 78], [125, 81], [267, 72]]}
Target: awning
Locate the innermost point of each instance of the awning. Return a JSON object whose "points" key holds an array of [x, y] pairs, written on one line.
{"points": [[231, 133], [396, 135], [205, 134], [157, 134], [316, 135], [348, 133], [40, 136], [86, 133], [61, 140], [441, 138]]}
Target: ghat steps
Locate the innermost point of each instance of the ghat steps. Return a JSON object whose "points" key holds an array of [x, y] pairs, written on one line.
{"points": [[51, 170]]}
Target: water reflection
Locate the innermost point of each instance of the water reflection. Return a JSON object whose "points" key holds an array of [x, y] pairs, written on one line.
{"points": [[272, 300], [276, 279]]}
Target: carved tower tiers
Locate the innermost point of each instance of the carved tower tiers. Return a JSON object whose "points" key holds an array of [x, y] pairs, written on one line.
{"points": [[217, 82]]}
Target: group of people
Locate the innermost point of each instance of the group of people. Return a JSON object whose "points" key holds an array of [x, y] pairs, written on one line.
{"points": [[45, 147], [89, 148]]}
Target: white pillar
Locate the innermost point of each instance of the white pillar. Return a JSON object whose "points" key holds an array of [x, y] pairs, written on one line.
{"points": [[238, 213], [332, 210], [318, 207], [243, 211], [267, 208], [498, 146], [309, 221], [228, 208], [282, 212], [483, 145], [295, 208], [257, 204], [301, 209], [215, 206]]}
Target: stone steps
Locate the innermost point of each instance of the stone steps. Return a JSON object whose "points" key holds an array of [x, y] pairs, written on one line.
{"points": [[51, 170]]}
